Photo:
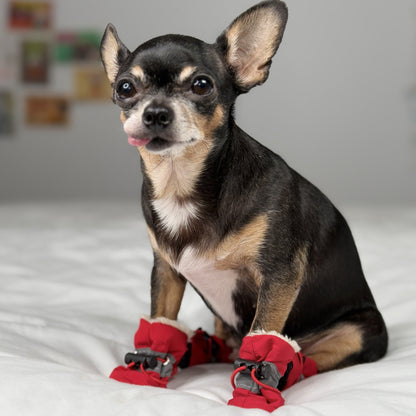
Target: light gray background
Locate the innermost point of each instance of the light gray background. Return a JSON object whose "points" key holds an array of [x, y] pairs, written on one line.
{"points": [[338, 105]]}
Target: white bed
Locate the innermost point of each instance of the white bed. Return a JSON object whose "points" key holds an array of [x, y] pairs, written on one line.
{"points": [[75, 280]]}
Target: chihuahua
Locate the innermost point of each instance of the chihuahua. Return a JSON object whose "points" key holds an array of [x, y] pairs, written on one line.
{"points": [[263, 247]]}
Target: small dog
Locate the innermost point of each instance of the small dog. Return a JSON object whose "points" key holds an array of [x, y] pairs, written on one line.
{"points": [[265, 249]]}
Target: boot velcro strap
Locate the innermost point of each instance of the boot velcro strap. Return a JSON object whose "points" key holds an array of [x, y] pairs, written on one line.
{"points": [[161, 363], [264, 371]]}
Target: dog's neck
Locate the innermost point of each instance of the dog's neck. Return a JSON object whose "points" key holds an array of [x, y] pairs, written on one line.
{"points": [[175, 175]]}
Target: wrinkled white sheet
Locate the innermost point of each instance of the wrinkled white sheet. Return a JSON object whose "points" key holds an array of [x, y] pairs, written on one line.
{"points": [[74, 280]]}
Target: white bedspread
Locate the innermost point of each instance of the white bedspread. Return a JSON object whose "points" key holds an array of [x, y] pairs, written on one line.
{"points": [[75, 280]]}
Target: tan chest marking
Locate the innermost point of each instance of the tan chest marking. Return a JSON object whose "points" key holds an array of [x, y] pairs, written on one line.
{"points": [[176, 174]]}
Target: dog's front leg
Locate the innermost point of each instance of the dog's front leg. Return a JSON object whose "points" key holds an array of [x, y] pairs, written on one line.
{"points": [[275, 301], [166, 296], [167, 288], [160, 342], [268, 360]]}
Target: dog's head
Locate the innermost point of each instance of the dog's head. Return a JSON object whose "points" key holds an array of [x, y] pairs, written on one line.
{"points": [[175, 91]]}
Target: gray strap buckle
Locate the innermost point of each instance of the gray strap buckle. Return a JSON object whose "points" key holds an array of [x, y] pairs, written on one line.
{"points": [[264, 371], [161, 363]]}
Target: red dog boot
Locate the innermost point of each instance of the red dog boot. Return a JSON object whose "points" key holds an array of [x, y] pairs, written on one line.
{"points": [[268, 363], [160, 345], [204, 348]]}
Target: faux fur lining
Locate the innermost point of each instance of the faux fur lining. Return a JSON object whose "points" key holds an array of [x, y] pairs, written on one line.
{"points": [[166, 321], [290, 341]]}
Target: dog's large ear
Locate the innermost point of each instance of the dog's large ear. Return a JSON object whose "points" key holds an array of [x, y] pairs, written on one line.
{"points": [[250, 42], [113, 52]]}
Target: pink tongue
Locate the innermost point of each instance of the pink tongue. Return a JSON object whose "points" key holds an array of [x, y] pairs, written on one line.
{"points": [[138, 142]]}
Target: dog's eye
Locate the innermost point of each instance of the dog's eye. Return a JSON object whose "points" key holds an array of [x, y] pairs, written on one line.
{"points": [[202, 86], [126, 89]]}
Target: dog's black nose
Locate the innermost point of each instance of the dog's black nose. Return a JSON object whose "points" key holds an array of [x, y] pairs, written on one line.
{"points": [[157, 116]]}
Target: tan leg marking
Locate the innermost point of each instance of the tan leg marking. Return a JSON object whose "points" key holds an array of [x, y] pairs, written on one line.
{"points": [[152, 239], [170, 289], [163, 253], [274, 307], [330, 347], [231, 341], [220, 330], [273, 316]]}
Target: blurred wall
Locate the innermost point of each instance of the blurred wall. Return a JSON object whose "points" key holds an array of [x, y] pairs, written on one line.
{"points": [[339, 105]]}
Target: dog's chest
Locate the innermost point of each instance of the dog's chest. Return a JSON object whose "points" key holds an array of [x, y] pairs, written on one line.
{"points": [[216, 286], [174, 214]]}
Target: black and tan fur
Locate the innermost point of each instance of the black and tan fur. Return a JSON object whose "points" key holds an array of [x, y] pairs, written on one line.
{"points": [[265, 249]]}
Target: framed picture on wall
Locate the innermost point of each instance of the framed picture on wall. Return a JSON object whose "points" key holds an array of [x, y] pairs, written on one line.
{"points": [[91, 84], [30, 15], [83, 46], [6, 113], [35, 61], [47, 110], [9, 58]]}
